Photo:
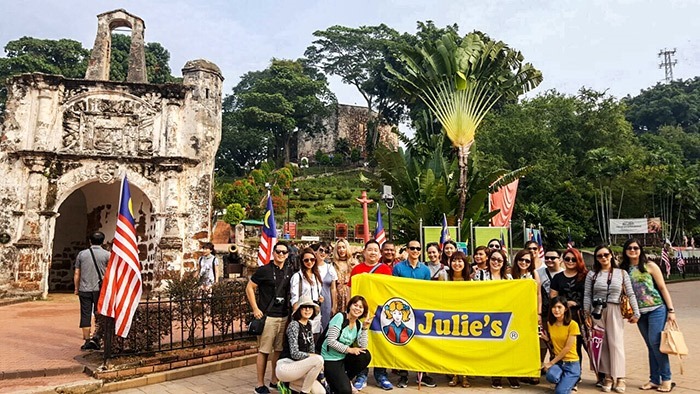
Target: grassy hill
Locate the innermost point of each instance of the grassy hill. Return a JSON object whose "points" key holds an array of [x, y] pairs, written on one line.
{"points": [[325, 199]]}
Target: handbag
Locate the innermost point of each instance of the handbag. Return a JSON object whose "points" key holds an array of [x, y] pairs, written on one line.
{"points": [[673, 342], [625, 305]]}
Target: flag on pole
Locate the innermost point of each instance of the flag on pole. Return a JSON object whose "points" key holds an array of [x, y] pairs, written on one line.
{"points": [[379, 234], [445, 232], [268, 236], [665, 260], [503, 239], [121, 288], [680, 263], [503, 200], [540, 248], [570, 243]]}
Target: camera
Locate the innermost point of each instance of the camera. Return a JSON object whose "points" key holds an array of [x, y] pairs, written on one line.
{"points": [[279, 301], [598, 305]]}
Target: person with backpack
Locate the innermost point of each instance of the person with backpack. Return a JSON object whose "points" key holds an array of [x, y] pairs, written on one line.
{"points": [[208, 264], [299, 365], [344, 348], [373, 265]]}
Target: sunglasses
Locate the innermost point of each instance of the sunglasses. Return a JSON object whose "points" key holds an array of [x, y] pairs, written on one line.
{"points": [[321, 250], [633, 248], [281, 251], [531, 248], [499, 261], [551, 257], [414, 248], [526, 260], [602, 255], [569, 259], [495, 246], [308, 260]]}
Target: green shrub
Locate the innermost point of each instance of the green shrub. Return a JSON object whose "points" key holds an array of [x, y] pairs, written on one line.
{"points": [[343, 205], [340, 218], [338, 160], [300, 215], [355, 155], [343, 194]]}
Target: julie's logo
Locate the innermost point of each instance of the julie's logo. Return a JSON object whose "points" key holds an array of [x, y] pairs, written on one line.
{"points": [[398, 321]]}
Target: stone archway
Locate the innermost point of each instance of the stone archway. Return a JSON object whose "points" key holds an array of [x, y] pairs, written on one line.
{"points": [[93, 207]]}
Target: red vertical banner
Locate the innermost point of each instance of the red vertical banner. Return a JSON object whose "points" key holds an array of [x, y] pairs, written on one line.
{"points": [[503, 199]]}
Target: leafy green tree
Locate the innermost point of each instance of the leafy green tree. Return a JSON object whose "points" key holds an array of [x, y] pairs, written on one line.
{"points": [[157, 59], [460, 81], [277, 103], [676, 103], [234, 214]]}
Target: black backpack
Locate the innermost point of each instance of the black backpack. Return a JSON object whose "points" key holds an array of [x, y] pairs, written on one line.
{"points": [[324, 334]]}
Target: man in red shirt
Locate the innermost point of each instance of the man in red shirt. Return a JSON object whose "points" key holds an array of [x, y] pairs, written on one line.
{"points": [[372, 265]]}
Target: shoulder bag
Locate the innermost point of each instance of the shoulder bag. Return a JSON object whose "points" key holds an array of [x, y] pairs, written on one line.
{"points": [[99, 273], [625, 305]]}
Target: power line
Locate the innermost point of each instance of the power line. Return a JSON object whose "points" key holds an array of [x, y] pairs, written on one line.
{"points": [[667, 63]]}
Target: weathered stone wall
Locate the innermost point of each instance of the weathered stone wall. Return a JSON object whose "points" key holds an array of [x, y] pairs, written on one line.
{"points": [[64, 147], [349, 122]]}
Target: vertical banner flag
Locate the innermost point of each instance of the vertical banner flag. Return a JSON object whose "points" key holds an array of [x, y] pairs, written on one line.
{"points": [[680, 263], [268, 236], [444, 232], [121, 289], [665, 260], [503, 199], [379, 234], [540, 247], [474, 324]]}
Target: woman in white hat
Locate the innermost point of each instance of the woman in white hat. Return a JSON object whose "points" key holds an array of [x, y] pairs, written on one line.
{"points": [[298, 364]]}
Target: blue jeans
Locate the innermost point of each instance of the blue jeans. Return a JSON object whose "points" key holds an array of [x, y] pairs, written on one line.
{"points": [[650, 326], [571, 372]]}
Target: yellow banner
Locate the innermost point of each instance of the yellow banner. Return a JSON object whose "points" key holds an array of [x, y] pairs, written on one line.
{"points": [[465, 328]]}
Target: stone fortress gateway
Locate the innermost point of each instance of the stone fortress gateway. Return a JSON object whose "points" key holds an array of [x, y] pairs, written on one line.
{"points": [[65, 145]]}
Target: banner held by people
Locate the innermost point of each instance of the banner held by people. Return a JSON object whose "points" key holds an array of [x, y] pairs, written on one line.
{"points": [[122, 286], [489, 337], [268, 236]]}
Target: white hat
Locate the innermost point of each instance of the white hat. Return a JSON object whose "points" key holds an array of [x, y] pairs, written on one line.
{"points": [[307, 301]]}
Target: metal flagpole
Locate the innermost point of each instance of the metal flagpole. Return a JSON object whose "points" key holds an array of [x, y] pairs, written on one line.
{"points": [[471, 235], [420, 232], [459, 230], [510, 237]]}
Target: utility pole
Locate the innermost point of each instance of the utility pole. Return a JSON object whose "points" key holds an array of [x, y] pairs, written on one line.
{"points": [[667, 64]]}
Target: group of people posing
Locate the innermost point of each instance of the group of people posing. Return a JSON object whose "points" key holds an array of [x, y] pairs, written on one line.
{"points": [[315, 334]]}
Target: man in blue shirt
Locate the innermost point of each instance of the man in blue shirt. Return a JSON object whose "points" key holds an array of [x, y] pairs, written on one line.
{"points": [[412, 267], [415, 269]]}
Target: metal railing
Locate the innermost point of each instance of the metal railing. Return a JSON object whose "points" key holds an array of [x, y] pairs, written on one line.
{"points": [[691, 269], [165, 324]]}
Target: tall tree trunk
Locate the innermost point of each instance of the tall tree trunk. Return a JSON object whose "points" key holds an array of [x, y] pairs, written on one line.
{"points": [[463, 159]]}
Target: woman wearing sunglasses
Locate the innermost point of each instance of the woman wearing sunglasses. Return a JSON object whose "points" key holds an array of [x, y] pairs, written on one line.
{"points": [[307, 282], [601, 302], [656, 307], [570, 284], [329, 280]]}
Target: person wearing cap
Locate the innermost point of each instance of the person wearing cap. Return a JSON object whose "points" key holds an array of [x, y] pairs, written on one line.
{"points": [[298, 364]]}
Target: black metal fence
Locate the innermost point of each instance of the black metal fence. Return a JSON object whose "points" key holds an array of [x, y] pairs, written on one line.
{"points": [[691, 269], [165, 324]]}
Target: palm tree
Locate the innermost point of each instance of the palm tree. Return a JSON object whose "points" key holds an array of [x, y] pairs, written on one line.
{"points": [[460, 80]]}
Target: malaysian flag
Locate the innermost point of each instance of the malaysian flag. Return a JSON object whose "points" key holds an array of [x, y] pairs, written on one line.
{"points": [[268, 237], [680, 263], [445, 232], [666, 261], [121, 289], [540, 248], [379, 234]]}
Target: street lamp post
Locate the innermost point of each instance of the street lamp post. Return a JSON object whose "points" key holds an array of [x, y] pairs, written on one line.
{"points": [[388, 199]]}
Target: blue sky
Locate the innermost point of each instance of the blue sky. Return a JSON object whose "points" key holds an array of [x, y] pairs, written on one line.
{"points": [[598, 44]]}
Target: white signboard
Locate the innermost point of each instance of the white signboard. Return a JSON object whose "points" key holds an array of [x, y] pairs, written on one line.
{"points": [[629, 226], [310, 238]]}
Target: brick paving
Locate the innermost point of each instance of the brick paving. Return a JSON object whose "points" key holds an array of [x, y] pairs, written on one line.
{"points": [[42, 338]]}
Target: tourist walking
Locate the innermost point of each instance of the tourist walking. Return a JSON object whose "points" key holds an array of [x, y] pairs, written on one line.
{"points": [[208, 264], [90, 267]]}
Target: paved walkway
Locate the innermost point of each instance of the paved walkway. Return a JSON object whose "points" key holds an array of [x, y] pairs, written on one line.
{"points": [[42, 338]]}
